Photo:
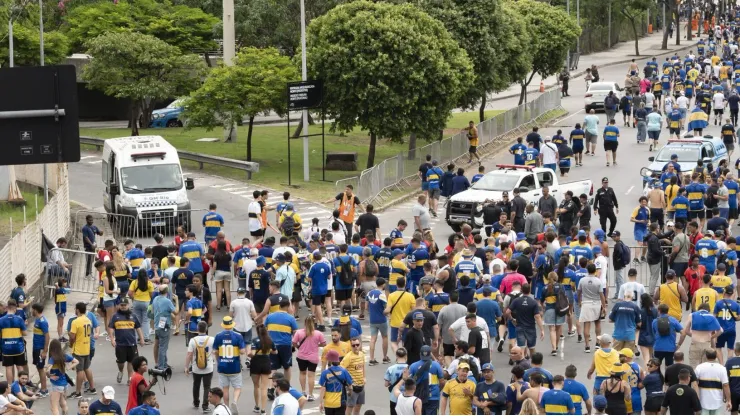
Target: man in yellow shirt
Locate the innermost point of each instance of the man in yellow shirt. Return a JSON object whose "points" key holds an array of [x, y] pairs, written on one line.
{"points": [[80, 335], [473, 141], [341, 347], [604, 359], [354, 362], [720, 280], [289, 212], [400, 303], [459, 393], [705, 294]]}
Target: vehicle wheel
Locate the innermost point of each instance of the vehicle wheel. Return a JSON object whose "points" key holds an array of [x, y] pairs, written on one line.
{"points": [[456, 228], [174, 123], [587, 108]]}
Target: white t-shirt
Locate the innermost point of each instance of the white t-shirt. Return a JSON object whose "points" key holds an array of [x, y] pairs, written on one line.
{"points": [[682, 102], [549, 153], [637, 289], [339, 238], [209, 353], [604, 262], [5, 401], [248, 266], [254, 223], [649, 98], [242, 309], [499, 262], [283, 250], [718, 101], [288, 403], [716, 69], [712, 371], [221, 410], [452, 369], [462, 331]]}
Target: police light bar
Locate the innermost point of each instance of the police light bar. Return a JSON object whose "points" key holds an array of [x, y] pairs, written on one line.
{"points": [[686, 141], [515, 167], [148, 154]]}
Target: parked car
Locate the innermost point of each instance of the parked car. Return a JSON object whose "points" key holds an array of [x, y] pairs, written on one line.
{"points": [[168, 116], [467, 207], [597, 91]]}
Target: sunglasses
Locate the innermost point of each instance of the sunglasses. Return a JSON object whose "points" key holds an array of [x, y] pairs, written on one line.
{"points": [[355, 345]]}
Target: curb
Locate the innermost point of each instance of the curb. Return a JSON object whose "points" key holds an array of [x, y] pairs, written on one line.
{"points": [[581, 73]]}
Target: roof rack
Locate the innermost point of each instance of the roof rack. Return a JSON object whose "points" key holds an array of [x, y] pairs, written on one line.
{"points": [[515, 167], [686, 141]]}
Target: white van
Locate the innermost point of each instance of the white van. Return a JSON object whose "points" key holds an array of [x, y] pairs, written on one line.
{"points": [[143, 180]]}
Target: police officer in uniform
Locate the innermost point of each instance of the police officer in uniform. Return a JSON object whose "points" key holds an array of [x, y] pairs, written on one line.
{"points": [[605, 204], [518, 205], [567, 213]]}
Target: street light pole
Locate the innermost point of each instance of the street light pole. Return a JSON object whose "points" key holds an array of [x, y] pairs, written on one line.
{"points": [[229, 51], [10, 39], [578, 21], [567, 58], [609, 37], [41, 56], [304, 76]]}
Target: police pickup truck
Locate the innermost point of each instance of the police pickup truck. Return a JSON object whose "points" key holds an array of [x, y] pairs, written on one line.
{"points": [[467, 207], [689, 150]]}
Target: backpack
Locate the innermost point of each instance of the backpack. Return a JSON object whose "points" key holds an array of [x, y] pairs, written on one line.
{"points": [[371, 268], [473, 366], [345, 276], [201, 355], [562, 306], [664, 326], [511, 301], [288, 225], [625, 252], [722, 258], [549, 265]]}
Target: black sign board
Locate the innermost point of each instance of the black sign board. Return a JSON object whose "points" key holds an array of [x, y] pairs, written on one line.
{"points": [[39, 115], [304, 95]]}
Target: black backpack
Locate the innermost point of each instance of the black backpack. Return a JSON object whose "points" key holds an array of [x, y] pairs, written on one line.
{"points": [[562, 306], [664, 326], [549, 265], [722, 258], [345, 276], [511, 302], [288, 225]]}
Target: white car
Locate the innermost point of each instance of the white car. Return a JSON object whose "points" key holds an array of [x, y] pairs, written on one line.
{"points": [[596, 93]]}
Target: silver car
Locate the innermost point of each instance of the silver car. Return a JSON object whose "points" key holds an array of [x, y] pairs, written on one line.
{"points": [[596, 93]]}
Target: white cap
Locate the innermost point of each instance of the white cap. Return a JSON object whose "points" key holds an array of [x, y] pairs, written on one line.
{"points": [[109, 393], [670, 224], [548, 138], [486, 277], [254, 252]]}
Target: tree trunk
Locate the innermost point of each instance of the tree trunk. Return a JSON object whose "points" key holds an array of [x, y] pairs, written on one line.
{"points": [[689, 31], [146, 113], [134, 118], [522, 93], [412, 146], [371, 151], [678, 26], [207, 57], [482, 111], [637, 38], [666, 25], [249, 144], [297, 131]]}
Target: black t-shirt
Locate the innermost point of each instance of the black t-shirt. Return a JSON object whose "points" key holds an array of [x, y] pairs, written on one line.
{"points": [[571, 208], [671, 373], [535, 138], [518, 205], [733, 100], [423, 170], [728, 138], [480, 252], [427, 329], [367, 221], [585, 217], [450, 285], [159, 252], [717, 223], [525, 266], [413, 341], [496, 393], [679, 398], [525, 308], [491, 214], [205, 297], [475, 339], [709, 200]]}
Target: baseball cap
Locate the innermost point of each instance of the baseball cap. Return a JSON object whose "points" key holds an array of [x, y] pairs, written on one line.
{"points": [[278, 375], [261, 260], [600, 402], [616, 234], [604, 179], [487, 366], [548, 138], [709, 232], [397, 251], [109, 393], [600, 234], [670, 223], [627, 352], [505, 193], [674, 156], [125, 301], [241, 290], [418, 316], [596, 250], [332, 356], [427, 280], [671, 272], [463, 365], [280, 257], [315, 236], [582, 233], [605, 338], [426, 353], [486, 278], [288, 207], [520, 236]]}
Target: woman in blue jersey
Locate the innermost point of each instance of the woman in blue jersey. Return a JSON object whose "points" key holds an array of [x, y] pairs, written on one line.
{"points": [[260, 367], [56, 369], [649, 313], [653, 384]]}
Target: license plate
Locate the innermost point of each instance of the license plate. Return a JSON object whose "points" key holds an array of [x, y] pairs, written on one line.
{"points": [[158, 223]]}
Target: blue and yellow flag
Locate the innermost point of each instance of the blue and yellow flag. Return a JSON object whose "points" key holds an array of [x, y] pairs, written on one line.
{"points": [[698, 119]]}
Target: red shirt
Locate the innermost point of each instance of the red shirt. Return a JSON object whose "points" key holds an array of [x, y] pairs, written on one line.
{"points": [[694, 277], [134, 397], [693, 239], [508, 282]]}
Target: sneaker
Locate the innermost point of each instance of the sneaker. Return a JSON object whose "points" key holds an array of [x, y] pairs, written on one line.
{"points": [[43, 393], [580, 339], [643, 259], [637, 353], [196, 404], [587, 350], [151, 332], [107, 338], [147, 342], [373, 362], [651, 148], [256, 410], [554, 353], [311, 398], [386, 360], [321, 328], [119, 377], [247, 363], [270, 394], [511, 362], [91, 392], [571, 333], [74, 395], [63, 340], [207, 410], [262, 412], [234, 408], [86, 386], [597, 347], [500, 347], [562, 337]]}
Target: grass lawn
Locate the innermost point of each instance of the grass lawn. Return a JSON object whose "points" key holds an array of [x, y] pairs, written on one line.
{"points": [[270, 149], [14, 213]]}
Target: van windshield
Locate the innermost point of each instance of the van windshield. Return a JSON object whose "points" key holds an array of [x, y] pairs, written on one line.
{"points": [[151, 178]]}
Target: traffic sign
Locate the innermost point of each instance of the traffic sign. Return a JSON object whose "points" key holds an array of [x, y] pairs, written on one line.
{"points": [[39, 115], [304, 95]]}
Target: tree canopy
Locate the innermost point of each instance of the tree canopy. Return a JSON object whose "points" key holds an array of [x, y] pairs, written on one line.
{"points": [[141, 68], [390, 69]]}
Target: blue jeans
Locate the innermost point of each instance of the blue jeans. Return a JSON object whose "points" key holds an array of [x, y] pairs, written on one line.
{"points": [[163, 336], [430, 407], [552, 166], [140, 308]]}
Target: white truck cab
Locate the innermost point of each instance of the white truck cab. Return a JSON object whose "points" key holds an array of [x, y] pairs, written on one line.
{"points": [[143, 179]]}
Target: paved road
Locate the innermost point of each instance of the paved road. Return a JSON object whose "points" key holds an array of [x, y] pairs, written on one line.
{"points": [[624, 179]]}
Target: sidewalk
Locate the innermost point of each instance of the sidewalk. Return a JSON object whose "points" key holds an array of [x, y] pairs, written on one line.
{"points": [[621, 53]]}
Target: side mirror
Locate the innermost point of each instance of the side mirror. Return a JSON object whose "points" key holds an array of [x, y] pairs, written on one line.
{"points": [[115, 190], [651, 158], [189, 184]]}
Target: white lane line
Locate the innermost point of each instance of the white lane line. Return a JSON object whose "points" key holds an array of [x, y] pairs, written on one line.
{"points": [[565, 118], [230, 189], [237, 192], [87, 157], [629, 190], [95, 162], [221, 185]]}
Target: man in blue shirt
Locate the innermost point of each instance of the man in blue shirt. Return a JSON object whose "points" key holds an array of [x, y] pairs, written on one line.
{"points": [[537, 359], [665, 328], [228, 347], [727, 312], [13, 331], [434, 180], [518, 151], [531, 155], [534, 139], [626, 317], [163, 311], [578, 392], [557, 401], [376, 303], [490, 393], [89, 231], [192, 251], [319, 275], [460, 182], [427, 380], [149, 406], [611, 141], [281, 326], [212, 222], [40, 345]]}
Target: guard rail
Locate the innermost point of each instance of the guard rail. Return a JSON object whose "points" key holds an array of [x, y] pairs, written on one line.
{"points": [[199, 158]]}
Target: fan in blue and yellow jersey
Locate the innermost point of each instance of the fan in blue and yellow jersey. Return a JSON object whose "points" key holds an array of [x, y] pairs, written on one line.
{"points": [[398, 269], [680, 206], [194, 308], [13, 332], [193, 251], [396, 235], [333, 380], [531, 155], [577, 390], [557, 401], [707, 250], [467, 267], [689, 88], [135, 256], [416, 261], [438, 299], [695, 194], [212, 222], [720, 280], [228, 347], [281, 325]]}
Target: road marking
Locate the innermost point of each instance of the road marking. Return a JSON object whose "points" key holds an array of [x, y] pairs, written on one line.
{"points": [[567, 117], [95, 162], [87, 157], [237, 192], [629, 190], [221, 185]]}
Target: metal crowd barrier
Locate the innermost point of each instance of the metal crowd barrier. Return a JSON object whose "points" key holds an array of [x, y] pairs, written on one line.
{"points": [[114, 226], [643, 269], [79, 277]]}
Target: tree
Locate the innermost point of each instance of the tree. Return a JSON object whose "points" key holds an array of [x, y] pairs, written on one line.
{"points": [[390, 69], [26, 46], [514, 47], [255, 84], [140, 68], [633, 10], [552, 32]]}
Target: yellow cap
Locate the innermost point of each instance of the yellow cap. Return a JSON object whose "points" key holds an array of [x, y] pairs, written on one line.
{"points": [[627, 352]]}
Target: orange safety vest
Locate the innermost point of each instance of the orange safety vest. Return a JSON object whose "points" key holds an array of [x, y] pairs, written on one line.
{"points": [[347, 209]]}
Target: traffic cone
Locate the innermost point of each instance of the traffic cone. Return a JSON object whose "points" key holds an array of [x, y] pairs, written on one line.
{"points": [[542, 86]]}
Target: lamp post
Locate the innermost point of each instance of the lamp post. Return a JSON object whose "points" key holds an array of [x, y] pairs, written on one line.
{"points": [[41, 61], [304, 78], [229, 51]]}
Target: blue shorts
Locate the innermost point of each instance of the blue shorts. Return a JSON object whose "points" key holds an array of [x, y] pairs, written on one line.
{"points": [[640, 235], [512, 330], [683, 112], [597, 383], [109, 303], [379, 328], [411, 287], [724, 213], [526, 337], [394, 334], [284, 357], [425, 186], [247, 336], [726, 339]]}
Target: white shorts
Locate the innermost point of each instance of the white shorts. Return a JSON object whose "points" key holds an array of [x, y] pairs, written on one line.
{"points": [[590, 312], [230, 380], [220, 276]]}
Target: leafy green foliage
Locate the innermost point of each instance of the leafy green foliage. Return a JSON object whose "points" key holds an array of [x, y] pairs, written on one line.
{"points": [[552, 32], [141, 68], [188, 28], [391, 69], [26, 46]]}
